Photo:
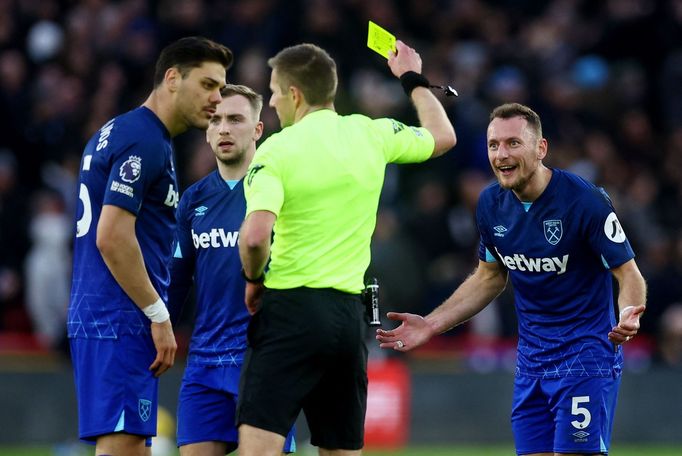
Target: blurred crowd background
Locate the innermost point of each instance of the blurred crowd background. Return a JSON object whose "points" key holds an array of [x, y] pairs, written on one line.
{"points": [[605, 77]]}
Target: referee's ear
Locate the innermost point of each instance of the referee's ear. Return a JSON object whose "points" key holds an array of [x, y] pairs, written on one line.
{"points": [[297, 96]]}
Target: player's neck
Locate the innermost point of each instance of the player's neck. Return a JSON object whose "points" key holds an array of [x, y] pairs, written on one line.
{"points": [[235, 171], [536, 185], [230, 173], [160, 105]]}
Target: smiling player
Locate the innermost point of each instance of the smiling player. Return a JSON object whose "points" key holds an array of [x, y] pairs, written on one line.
{"points": [[558, 238]]}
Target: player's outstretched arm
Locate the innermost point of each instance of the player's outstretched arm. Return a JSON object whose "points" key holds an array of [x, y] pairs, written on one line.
{"points": [[413, 331], [430, 111], [117, 242], [472, 296], [631, 302]]}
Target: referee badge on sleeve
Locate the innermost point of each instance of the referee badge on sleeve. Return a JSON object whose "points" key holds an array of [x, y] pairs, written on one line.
{"points": [[252, 172]]}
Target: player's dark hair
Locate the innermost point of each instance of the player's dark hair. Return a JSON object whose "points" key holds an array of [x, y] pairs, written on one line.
{"points": [[188, 53], [308, 68], [510, 110], [255, 99]]}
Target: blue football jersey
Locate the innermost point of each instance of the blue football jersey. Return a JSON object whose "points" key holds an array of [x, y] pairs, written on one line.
{"points": [[558, 251], [205, 252], [128, 163]]}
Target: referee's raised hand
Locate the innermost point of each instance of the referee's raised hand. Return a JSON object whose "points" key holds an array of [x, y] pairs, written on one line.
{"points": [[404, 59]]}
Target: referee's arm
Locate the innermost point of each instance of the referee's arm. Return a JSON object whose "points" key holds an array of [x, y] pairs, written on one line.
{"points": [[432, 116], [430, 111], [254, 242]]}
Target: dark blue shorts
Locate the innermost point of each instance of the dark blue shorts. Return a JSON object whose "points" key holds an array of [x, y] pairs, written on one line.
{"points": [[206, 407], [115, 389], [564, 415]]}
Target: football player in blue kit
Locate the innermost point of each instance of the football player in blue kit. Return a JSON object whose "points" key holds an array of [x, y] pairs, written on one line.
{"points": [[205, 253], [120, 334], [558, 238]]}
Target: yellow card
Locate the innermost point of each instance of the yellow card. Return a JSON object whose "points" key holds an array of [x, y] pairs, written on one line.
{"points": [[380, 40]]}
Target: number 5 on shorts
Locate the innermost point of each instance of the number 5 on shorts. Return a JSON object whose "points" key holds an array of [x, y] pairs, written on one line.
{"points": [[577, 410]]}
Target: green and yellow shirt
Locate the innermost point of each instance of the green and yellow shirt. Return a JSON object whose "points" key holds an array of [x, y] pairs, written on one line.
{"points": [[322, 178]]}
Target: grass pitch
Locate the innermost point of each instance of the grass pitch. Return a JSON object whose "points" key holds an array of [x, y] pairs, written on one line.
{"points": [[616, 450], [498, 450]]}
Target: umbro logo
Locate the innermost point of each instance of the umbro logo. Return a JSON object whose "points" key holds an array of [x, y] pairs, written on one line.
{"points": [[499, 230], [580, 436], [201, 210]]}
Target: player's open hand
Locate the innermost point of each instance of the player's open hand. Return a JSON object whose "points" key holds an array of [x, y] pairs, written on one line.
{"points": [[412, 332], [164, 341], [404, 59], [628, 325], [253, 296]]}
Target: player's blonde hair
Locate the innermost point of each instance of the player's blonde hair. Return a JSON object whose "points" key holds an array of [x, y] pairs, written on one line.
{"points": [[255, 99]]}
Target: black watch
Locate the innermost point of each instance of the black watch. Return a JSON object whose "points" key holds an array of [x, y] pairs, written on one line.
{"points": [[260, 279]]}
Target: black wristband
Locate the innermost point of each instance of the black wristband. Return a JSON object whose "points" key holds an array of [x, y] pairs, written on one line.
{"points": [[258, 280], [411, 79]]}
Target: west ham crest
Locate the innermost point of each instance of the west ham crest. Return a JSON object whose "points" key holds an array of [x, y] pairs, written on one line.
{"points": [[553, 231], [144, 408]]}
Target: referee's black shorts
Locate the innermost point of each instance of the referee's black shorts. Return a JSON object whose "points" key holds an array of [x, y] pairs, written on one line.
{"points": [[307, 351]]}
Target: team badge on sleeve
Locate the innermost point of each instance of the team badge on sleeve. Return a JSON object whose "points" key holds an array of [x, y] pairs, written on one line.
{"points": [[553, 231], [613, 230], [131, 169]]}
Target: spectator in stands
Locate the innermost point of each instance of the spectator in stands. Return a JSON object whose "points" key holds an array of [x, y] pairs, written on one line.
{"points": [[13, 242], [48, 269], [670, 337], [579, 62]]}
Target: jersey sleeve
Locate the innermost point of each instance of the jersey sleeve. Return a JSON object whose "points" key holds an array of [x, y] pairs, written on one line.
{"points": [[263, 187], [604, 231], [182, 262], [134, 169], [404, 144]]}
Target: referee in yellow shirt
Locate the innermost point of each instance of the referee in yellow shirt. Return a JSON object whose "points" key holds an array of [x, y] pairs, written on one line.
{"points": [[316, 184]]}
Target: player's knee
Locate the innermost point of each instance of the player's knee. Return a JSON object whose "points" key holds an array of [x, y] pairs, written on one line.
{"points": [[120, 444]]}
